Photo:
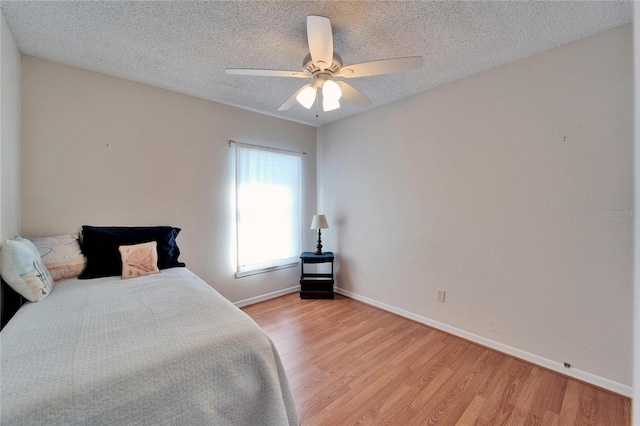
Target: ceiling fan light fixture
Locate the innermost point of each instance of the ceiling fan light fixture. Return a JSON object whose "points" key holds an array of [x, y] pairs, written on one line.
{"points": [[331, 91], [307, 97], [322, 64]]}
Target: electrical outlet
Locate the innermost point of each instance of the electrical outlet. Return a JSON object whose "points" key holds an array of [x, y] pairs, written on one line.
{"points": [[441, 294]]}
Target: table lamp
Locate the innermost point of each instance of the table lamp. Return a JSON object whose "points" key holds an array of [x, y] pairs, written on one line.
{"points": [[319, 222]]}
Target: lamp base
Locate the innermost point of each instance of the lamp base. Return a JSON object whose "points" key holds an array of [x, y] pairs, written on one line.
{"points": [[319, 245]]}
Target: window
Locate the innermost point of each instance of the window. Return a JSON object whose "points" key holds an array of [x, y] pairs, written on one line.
{"points": [[268, 208]]}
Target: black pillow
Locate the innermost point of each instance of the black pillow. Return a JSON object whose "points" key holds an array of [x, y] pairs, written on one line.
{"points": [[100, 246]]}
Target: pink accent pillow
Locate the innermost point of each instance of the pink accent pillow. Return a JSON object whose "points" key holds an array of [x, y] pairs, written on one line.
{"points": [[139, 260]]}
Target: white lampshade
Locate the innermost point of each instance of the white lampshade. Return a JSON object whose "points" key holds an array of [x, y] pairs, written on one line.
{"points": [[331, 90], [319, 222], [329, 104], [307, 96]]}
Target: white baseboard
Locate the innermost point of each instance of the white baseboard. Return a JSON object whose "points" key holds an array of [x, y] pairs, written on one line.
{"points": [[584, 376], [263, 297]]}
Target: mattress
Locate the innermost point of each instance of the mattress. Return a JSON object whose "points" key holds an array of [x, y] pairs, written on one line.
{"points": [[163, 349]]}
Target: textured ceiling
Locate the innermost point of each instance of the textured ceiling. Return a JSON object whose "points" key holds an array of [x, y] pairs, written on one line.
{"points": [[185, 46]]}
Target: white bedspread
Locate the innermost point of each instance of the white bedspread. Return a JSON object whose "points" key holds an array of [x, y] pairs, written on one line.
{"points": [[164, 349]]}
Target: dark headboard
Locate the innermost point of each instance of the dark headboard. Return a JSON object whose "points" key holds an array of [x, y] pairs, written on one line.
{"points": [[10, 302]]}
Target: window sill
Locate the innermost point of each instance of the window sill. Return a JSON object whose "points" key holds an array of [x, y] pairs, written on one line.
{"points": [[264, 270]]}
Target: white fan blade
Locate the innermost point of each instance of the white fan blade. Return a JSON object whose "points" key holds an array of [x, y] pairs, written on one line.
{"points": [[266, 73], [320, 40], [292, 99], [384, 66], [353, 95]]}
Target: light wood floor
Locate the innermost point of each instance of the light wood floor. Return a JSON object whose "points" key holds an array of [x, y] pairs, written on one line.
{"points": [[349, 363]]}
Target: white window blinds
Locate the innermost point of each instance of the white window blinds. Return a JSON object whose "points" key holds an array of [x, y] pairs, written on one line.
{"points": [[268, 208]]}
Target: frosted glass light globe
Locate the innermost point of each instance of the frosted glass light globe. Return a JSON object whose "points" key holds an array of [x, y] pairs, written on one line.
{"points": [[331, 90], [307, 96]]}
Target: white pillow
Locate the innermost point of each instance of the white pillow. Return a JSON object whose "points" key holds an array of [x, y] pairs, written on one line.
{"points": [[23, 270]]}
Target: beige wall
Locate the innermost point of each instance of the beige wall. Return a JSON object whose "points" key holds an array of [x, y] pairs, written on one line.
{"points": [[99, 150], [502, 189], [10, 205]]}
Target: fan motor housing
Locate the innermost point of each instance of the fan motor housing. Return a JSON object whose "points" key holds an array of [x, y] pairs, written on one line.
{"points": [[309, 67]]}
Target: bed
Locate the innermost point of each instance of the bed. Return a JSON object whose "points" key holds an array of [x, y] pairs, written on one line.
{"points": [[161, 349]]}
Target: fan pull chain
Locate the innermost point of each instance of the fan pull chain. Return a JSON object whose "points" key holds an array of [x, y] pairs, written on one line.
{"points": [[317, 104]]}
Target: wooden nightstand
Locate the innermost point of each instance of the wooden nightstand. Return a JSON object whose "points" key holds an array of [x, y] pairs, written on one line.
{"points": [[315, 285]]}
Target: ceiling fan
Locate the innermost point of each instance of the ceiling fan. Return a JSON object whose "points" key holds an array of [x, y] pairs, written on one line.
{"points": [[322, 64]]}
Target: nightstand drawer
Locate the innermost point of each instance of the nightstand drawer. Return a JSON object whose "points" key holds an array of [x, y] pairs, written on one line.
{"points": [[316, 295], [316, 285]]}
